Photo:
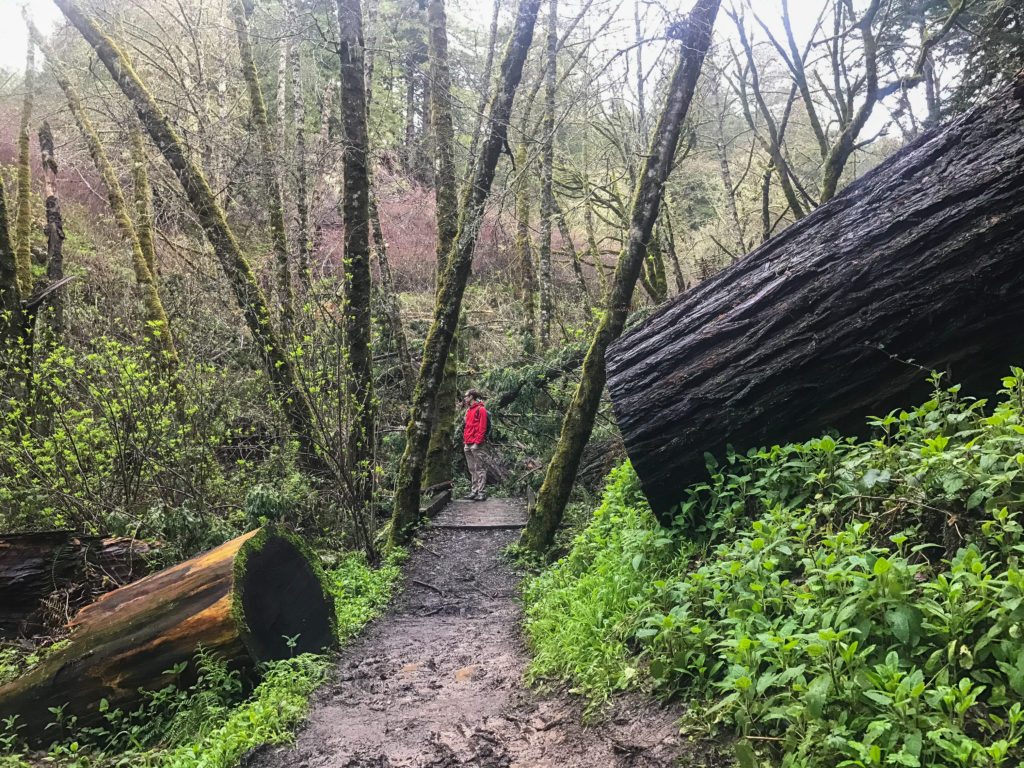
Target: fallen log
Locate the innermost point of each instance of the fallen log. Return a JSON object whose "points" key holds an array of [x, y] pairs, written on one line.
{"points": [[243, 600], [39, 567], [920, 260]]}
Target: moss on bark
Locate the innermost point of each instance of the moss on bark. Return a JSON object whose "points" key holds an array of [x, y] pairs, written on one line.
{"points": [[157, 327], [456, 274], [579, 419], [248, 294], [23, 227], [361, 402], [438, 467], [258, 114]]}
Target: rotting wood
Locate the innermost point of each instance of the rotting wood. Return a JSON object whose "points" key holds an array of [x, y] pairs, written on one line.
{"points": [[35, 566], [919, 260], [243, 601]]}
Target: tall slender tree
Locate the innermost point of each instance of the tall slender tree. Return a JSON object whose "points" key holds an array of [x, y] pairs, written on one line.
{"points": [[23, 225], [251, 300], [140, 239], [270, 178], [10, 293], [54, 231], [547, 189], [695, 38], [438, 469], [356, 215], [456, 274]]}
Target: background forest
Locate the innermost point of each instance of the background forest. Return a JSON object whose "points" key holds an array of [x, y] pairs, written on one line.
{"points": [[251, 252]]}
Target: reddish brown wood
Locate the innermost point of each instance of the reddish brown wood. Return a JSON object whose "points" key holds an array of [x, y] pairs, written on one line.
{"points": [[241, 601]]}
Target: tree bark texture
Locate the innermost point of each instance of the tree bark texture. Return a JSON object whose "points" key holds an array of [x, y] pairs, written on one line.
{"points": [[54, 232], [456, 275], [23, 226], [579, 419], [248, 294], [442, 439], [33, 566], [143, 201], [356, 214], [10, 292], [303, 238], [271, 183], [240, 601], [921, 259]]}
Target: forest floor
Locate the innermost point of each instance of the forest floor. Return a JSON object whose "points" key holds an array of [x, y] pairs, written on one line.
{"points": [[437, 682]]}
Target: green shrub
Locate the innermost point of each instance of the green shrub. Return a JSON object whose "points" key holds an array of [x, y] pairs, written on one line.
{"points": [[845, 603]]}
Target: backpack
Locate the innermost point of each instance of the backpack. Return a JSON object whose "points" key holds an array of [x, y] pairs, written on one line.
{"points": [[487, 426]]}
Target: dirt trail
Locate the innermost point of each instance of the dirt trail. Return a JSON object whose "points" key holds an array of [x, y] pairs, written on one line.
{"points": [[437, 682]]}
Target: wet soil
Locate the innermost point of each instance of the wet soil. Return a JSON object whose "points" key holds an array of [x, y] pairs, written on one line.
{"points": [[437, 682]]}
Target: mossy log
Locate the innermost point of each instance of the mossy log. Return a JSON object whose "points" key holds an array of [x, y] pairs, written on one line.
{"points": [[919, 260], [34, 566], [241, 601]]}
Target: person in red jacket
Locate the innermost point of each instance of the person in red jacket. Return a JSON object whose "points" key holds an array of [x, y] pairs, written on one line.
{"points": [[474, 435]]}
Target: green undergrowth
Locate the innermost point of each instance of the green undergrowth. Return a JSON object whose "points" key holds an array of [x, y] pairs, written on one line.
{"points": [[838, 602], [213, 722]]}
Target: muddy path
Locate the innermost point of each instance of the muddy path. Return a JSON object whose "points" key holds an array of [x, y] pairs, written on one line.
{"points": [[437, 681]]}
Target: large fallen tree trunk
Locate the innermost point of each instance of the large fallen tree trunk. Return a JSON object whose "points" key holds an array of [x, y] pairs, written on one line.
{"points": [[922, 259], [44, 566], [243, 600]]}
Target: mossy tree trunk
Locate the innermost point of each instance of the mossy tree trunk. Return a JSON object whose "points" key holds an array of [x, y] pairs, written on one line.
{"points": [[303, 237], [271, 183], [157, 329], [438, 468], [54, 231], [23, 226], [356, 213], [579, 419], [456, 274], [10, 292], [653, 275], [248, 294], [143, 201], [547, 190]]}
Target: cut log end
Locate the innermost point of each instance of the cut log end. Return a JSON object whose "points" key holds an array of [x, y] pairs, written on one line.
{"points": [[279, 594], [256, 598]]}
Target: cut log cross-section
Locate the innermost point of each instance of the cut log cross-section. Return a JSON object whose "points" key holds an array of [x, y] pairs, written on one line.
{"points": [[920, 260], [248, 600]]}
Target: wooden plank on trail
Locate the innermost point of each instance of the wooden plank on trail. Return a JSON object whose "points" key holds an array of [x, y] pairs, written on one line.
{"points": [[493, 513], [436, 503]]}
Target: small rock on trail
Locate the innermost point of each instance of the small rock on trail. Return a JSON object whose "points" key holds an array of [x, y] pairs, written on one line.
{"points": [[437, 681]]}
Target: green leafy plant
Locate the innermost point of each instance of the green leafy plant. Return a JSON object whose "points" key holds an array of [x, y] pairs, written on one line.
{"points": [[840, 602]]}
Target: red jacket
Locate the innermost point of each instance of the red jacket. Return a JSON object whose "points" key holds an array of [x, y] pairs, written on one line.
{"points": [[476, 424]]}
